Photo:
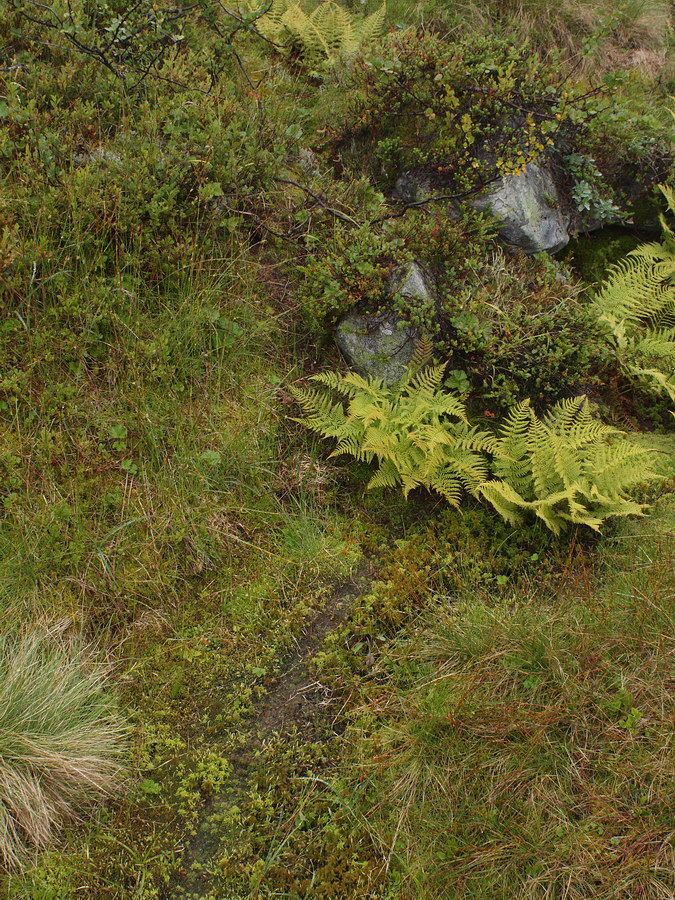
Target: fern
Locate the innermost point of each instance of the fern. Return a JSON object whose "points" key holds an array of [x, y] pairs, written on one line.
{"points": [[565, 468], [328, 32], [637, 307], [418, 434]]}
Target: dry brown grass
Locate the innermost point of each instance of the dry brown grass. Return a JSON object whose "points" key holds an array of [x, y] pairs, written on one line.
{"points": [[61, 740]]}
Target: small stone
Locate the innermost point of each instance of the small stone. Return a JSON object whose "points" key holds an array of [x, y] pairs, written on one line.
{"points": [[381, 345], [377, 345]]}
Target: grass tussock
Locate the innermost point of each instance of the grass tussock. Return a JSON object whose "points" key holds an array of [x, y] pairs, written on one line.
{"points": [[61, 740], [531, 754], [604, 35]]}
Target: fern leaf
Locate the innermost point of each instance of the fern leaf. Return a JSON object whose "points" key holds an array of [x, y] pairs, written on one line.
{"points": [[372, 27], [386, 476], [424, 349], [508, 502], [446, 483]]}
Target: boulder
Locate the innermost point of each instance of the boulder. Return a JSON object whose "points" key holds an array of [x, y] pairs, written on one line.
{"points": [[528, 206], [529, 210], [381, 345]]}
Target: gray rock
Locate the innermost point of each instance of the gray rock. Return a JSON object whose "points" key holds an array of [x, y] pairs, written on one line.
{"points": [[412, 281], [528, 207], [308, 161], [411, 187], [381, 345]]}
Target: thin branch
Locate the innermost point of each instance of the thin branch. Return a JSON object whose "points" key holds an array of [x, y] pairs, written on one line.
{"points": [[248, 25], [440, 198], [319, 200]]}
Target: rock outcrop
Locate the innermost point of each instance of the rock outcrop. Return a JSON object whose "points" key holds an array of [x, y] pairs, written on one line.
{"points": [[528, 207], [381, 344]]}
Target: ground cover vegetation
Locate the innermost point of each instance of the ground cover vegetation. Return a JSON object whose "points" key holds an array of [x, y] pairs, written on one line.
{"points": [[227, 668]]}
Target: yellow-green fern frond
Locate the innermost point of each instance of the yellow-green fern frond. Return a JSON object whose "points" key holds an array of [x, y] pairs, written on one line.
{"points": [[637, 307], [422, 356], [327, 31], [265, 17], [565, 468]]}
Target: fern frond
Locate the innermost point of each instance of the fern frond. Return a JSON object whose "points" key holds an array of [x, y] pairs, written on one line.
{"points": [[386, 476], [351, 445], [446, 483], [615, 468], [657, 380], [637, 306], [565, 468], [427, 381], [421, 357], [508, 502], [655, 346], [372, 27], [638, 291], [329, 31]]}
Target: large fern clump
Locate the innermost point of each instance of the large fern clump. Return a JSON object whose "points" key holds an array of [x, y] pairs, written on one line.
{"points": [[564, 468], [328, 32], [637, 307], [62, 741], [418, 434]]}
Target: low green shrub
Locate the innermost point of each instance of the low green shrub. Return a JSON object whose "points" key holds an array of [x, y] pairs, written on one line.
{"points": [[466, 112], [61, 740], [352, 267]]}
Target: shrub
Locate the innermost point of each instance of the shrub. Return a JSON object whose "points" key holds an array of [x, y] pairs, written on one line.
{"points": [[467, 112], [61, 739], [352, 268]]}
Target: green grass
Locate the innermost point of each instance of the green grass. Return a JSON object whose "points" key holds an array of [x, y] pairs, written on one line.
{"points": [[153, 490], [528, 749]]}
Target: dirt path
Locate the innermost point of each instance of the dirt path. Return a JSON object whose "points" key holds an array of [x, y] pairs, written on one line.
{"points": [[294, 699]]}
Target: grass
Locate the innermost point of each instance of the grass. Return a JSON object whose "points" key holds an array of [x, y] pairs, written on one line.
{"points": [[529, 751], [153, 490], [62, 739], [602, 35]]}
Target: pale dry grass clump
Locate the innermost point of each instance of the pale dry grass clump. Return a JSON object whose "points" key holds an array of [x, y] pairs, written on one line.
{"points": [[61, 739]]}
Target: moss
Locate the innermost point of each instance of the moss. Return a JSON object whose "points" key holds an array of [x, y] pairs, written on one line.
{"points": [[591, 255]]}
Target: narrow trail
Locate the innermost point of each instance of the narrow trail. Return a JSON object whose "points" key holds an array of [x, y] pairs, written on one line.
{"points": [[294, 699]]}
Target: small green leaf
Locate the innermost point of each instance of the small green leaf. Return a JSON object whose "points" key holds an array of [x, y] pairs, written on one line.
{"points": [[210, 190]]}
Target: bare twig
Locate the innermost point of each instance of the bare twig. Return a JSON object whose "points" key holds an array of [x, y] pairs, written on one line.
{"points": [[439, 198], [319, 200]]}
